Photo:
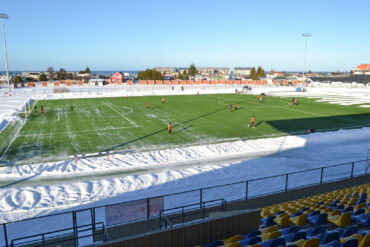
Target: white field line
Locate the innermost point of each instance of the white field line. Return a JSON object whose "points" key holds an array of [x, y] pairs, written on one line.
{"points": [[16, 134], [279, 107], [76, 131], [132, 122]]}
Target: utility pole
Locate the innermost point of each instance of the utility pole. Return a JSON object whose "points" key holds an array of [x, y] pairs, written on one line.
{"points": [[306, 35], [5, 16]]}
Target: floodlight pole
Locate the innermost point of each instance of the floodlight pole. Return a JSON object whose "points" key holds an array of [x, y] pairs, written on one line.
{"points": [[306, 35], [5, 16]]}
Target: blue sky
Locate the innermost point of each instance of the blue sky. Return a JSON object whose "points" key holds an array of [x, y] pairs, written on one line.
{"points": [[138, 34]]}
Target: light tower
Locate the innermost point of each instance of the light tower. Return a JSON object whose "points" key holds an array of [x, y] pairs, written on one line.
{"points": [[5, 16], [306, 35]]}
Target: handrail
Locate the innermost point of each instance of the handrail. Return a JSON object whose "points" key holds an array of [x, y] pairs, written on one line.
{"points": [[183, 210], [97, 226]]}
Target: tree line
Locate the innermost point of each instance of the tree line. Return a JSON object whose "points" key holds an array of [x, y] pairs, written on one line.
{"points": [[256, 74]]}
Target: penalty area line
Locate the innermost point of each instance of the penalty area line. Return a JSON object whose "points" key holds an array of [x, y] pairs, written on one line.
{"points": [[132, 122], [76, 131]]}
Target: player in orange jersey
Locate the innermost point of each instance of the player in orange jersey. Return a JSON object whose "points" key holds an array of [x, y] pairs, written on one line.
{"points": [[147, 105], [169, 128], [163, 100], [252, 122], [236, 107]]}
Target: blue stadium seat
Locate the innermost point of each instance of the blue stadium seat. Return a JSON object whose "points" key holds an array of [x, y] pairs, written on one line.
{"points": [[274, 242], [330, 237], [252, 234], [292, 229], [315, 231], [214, 244], [250, 241], [346, 231], [353, 242], [363, 219], [317, 220]]}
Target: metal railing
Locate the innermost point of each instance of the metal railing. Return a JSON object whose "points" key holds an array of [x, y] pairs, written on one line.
{"points": [[182, 211], [63, 235], [251, 188]]}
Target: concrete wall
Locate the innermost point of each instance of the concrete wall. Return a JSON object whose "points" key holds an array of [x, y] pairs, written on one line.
{"points": [[195, 233]]}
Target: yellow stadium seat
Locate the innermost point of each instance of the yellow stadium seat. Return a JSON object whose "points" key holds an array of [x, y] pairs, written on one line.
{"points": [[235, 244], [358, 236], [269, 229], [365, 242], [299, 220], [233, 239], [282, 221], [255, 245], [299, 243], [313, 242], [341, 220], [335, 212], [270, 235], [361, 205]]}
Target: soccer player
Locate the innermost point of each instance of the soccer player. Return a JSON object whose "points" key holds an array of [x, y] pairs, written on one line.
{"points": [[295, 101], [261, 99], [147, 105], [169, 129], [126, 96], [258, 97], [236, 106], [230, 108], [42, 109], [252, 122], [35, 108], [163, 100]]}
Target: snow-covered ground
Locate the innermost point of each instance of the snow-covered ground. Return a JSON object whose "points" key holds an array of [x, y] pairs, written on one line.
{"points": [[39, 189]]}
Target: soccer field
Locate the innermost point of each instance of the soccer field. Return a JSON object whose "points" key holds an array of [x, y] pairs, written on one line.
{"points": [[81, 126]]}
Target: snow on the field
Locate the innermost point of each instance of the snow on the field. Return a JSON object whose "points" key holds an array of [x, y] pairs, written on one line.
{"points": [[13, 103]]}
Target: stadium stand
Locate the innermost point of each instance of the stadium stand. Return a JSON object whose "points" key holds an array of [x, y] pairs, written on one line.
{"points": [[333, 213], [336, 218]]}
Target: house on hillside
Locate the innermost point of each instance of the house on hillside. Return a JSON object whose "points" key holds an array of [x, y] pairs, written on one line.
{"points": [[118, 76]]}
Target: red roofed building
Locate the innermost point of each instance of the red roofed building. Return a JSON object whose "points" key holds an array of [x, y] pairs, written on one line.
{"points": [[363, 69], [116, 77]]}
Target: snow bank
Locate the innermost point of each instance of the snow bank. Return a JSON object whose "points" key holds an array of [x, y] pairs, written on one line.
{"points": [[172, 170]]}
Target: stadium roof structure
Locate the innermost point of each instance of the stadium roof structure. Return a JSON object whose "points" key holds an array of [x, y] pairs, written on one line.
{"points": [[363, 79]]}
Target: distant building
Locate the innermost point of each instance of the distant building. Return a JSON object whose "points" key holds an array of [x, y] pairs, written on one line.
{"points": [[213, 70], [118, 76], [363, 69], [33, 75], [242, 71], [164, 70]]}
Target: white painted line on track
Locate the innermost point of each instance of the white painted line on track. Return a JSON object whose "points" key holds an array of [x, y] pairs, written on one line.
{"points": [[132, 122]]}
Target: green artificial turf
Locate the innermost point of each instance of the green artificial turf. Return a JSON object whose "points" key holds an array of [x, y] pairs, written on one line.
{"points": [[107, 124]]}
